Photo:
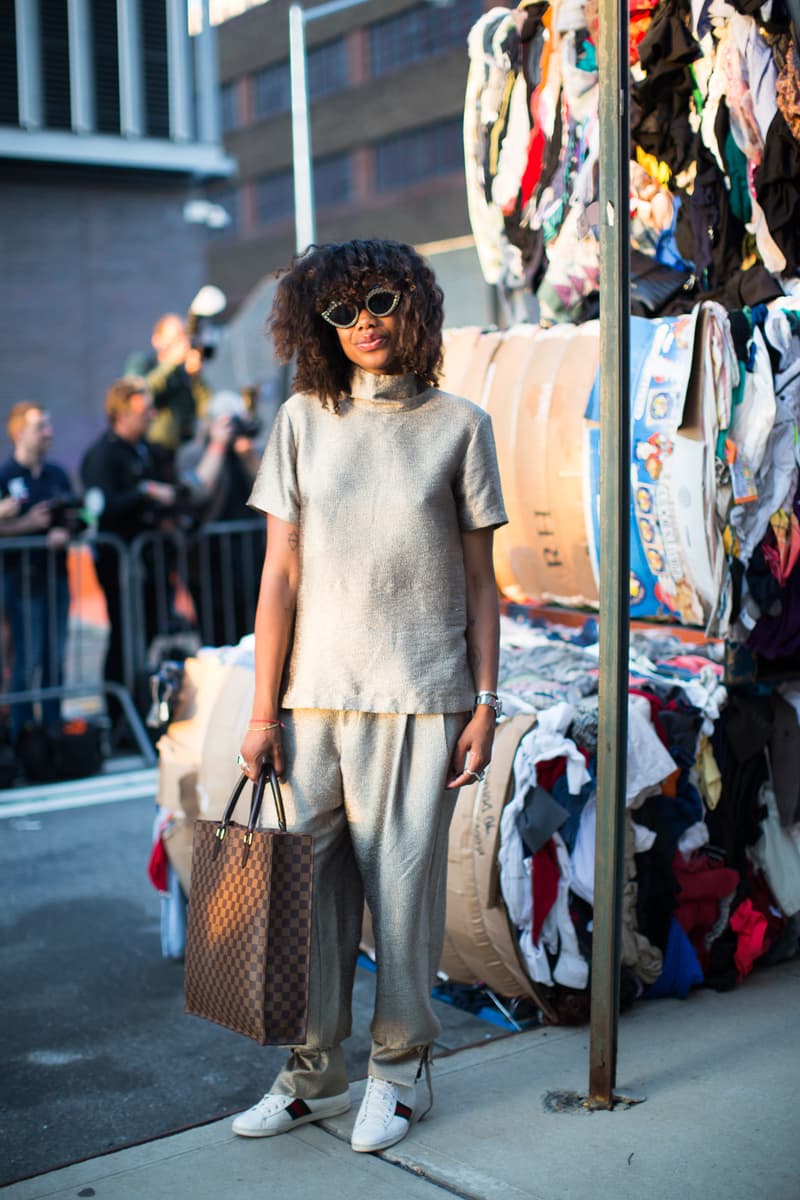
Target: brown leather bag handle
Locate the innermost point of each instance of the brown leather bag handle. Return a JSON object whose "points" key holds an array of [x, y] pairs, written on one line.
{"points": [[267, 773]]}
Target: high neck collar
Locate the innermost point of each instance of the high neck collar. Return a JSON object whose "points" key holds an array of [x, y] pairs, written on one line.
{"points": [[366, 386]]}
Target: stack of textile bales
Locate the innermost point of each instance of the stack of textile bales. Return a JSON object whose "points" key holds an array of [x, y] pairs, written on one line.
{"points": [[712, 840]]}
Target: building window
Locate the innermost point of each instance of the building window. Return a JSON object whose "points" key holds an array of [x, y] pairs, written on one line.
{"points": [[420, 33], [9, 113], [274, 197], [229, 108], [156, 68], [106, 65], [55, 63], [326, 68], [419, 154], [332, 185], [271, 90], [332, 181]]}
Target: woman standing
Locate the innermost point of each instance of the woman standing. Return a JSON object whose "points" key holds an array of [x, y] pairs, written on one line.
{"points": [[376, 655]]}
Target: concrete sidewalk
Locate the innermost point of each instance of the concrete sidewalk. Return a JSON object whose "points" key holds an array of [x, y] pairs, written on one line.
{"points": [[721, 1118]]}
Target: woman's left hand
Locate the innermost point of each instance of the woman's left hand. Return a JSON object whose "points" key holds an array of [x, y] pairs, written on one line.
{"points": [[473, 750]]}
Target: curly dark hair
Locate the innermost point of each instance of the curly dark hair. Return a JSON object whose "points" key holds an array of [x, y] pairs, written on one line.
{"points": [[347, 271]]}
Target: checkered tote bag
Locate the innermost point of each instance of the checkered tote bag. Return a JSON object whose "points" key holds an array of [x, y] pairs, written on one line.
{"points": [[249, 923]]}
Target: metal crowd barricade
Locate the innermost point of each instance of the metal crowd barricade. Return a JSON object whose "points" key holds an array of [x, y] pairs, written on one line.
{"points": [[214, 572], [29, 565], [225, 561], [157, 563], [216, 569]]}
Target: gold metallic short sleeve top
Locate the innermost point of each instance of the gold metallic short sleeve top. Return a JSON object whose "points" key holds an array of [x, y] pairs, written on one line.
{"points": [[381, 491]]}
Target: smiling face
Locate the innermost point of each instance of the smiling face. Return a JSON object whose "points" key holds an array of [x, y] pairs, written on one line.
{"points": [[371, 343]]}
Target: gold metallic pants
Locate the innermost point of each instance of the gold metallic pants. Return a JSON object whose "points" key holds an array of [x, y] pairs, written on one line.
{"points": [[369, 787]]}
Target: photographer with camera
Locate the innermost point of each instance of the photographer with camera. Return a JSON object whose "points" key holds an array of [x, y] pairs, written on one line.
{"points": [[36, 497], [173, 375], [219, 468], [136, 481]]}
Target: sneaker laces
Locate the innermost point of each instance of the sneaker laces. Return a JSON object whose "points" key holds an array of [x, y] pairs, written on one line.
{"points": [[381, 1099], [425, 1064], [271, 1103]]}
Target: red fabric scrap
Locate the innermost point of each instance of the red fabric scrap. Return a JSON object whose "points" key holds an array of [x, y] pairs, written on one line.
{"points": [[537, 144], [157, 866], [703, 884], [751, 928], [656, 707], [763, 900], [549, 771], [545, 877]]}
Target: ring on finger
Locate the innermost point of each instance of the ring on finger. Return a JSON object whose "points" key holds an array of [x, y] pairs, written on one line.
{"points": [[479, 776], [243, 763]]}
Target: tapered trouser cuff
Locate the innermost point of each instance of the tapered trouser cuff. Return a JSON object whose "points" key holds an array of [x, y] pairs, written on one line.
{"points": [[312, 1074]]}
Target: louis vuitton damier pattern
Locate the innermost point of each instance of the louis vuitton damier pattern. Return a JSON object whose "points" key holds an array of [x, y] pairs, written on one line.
{"points": [[248, 931], [289, 939]]}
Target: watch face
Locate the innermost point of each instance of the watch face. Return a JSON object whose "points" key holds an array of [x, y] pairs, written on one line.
{"points": [[490, 700]]}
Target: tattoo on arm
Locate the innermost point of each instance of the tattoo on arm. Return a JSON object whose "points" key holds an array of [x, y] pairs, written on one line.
{"points": [[294, 539]]}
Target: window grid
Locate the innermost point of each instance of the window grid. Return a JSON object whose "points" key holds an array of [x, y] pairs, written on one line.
{"points": [[55, 63], [228, 107], [271, 90], [326, 67], [333, 180], [156, 68], [106, 65], [420, 33], [274, 197], [419, 154], [9, 111], [333, 184]]}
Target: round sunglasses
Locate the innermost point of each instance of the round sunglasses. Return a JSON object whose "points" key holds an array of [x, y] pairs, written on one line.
{"points": [[379, 302]]}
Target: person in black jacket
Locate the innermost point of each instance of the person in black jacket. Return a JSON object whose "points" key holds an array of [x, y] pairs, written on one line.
{"points": [[136, 495]]}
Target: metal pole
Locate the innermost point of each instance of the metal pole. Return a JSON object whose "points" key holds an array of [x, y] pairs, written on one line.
{"points": [[179, 79], [30, 93], [130, 56], [614, 545], [81, 71], [207, 79], [304, 218], [304, 223]]}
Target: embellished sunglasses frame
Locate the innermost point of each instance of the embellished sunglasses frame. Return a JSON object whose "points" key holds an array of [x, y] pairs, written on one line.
{"points": [[328, 314]]}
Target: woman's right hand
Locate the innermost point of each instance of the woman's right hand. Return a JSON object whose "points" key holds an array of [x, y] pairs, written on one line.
{"points": [[259, 746]]}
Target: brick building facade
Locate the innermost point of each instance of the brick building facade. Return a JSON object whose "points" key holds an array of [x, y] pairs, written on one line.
{"points": [[108, 126], [386, 84]]}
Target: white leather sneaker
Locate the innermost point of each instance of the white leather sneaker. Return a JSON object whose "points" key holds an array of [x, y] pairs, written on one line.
{"points": [[277, 1114], [386, 1114]]}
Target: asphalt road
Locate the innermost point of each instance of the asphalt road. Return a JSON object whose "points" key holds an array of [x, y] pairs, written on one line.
{"points": [[96, 1050]]}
